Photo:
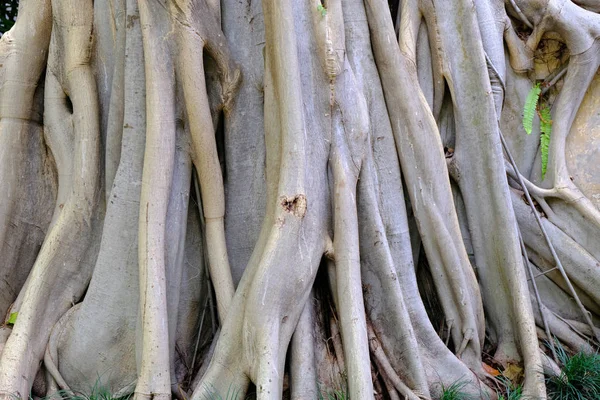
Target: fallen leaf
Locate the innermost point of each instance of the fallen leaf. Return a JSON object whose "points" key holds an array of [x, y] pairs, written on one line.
{"points": [[513, 372], [490, 370]]}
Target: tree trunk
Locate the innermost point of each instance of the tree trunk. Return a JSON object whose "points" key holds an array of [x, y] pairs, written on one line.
{"points": [[293, 198]]}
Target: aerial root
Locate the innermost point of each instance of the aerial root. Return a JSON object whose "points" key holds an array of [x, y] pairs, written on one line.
{"points": [[559, 265], [45, 297], [190, 66], [386, 368], [54, 376], [154, 366]]}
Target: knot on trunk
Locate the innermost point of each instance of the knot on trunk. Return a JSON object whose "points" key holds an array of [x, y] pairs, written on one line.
{"points": [[294, 204]]}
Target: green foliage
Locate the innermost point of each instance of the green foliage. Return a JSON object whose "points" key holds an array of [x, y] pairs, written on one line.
{"points": [[534, 105], [530, 107], [212, 394], [456, 391], [512, 391], [333, 395], [12, 318], [322, 10], [97, 392], [545, 130], [579, 378], [8, 14]]}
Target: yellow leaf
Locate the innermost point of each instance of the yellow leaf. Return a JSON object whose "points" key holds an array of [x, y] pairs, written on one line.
{"points": [[513, 372]]}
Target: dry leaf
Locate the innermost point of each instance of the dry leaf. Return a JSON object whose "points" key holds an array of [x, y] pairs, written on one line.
{"points": [[513, 372], [490, 370]]}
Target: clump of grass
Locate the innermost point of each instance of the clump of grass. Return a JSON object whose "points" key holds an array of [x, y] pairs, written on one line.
{"points": [[97, 392], [212, 394], [579, 378], [512, 391], [456, 391], [333, 395]]}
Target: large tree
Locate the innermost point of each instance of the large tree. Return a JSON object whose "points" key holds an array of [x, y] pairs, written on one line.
{"points": [[204, 195]]}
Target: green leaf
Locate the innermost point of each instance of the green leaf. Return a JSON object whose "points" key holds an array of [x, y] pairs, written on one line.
{"points": [[546, 131], [12, 318], [530, 106], [322, 10]]}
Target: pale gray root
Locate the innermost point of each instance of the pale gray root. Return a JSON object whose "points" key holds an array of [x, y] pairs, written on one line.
{"points": [[194, 321], [425, 64], [109, 22], [555, 297], [591, 5], [303, 372], [196, 30], [379, 187], [104, 326], [580, 29], [69, 248], [581, 328], [123, 22], [532, 282], [54, 379], [245, 188], [414, 38], [579, 265], [440, 365], [384, 300], [350, 304], [386, 368], [349, 140], [479, 159], [176, 228], [568, 207], [555, 257], [491, 20], [420, 151], [256, 334], [562, 331], [26, 169], [152, 336]]}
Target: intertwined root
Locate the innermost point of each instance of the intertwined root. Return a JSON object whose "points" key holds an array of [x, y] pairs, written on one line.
{"points": [[347, 107]]}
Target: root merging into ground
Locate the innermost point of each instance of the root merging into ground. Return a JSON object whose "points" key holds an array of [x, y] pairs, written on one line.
{"points": [[285, 198]]}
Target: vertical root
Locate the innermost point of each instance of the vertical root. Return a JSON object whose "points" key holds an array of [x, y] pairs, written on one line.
{"points": [[190, 66], [159, 158], [68, 247]]}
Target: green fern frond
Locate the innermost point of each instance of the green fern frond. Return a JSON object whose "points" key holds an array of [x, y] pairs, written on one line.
{"points": [[544, 144], [530, 106], [545, 119], [546, 131]]}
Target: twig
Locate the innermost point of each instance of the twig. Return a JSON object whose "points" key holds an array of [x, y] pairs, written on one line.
{"points": [[522, 16], [554, 77]]}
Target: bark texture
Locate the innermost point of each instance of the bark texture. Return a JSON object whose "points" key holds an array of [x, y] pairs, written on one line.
{"points": [[282, 198]]}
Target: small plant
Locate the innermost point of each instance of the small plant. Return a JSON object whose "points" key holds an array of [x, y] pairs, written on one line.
{"points": [[321, 8], [533, 105], [579, 378], [456, 391], [512, 391], [333, 395], [97, 392], [212, 394]]}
